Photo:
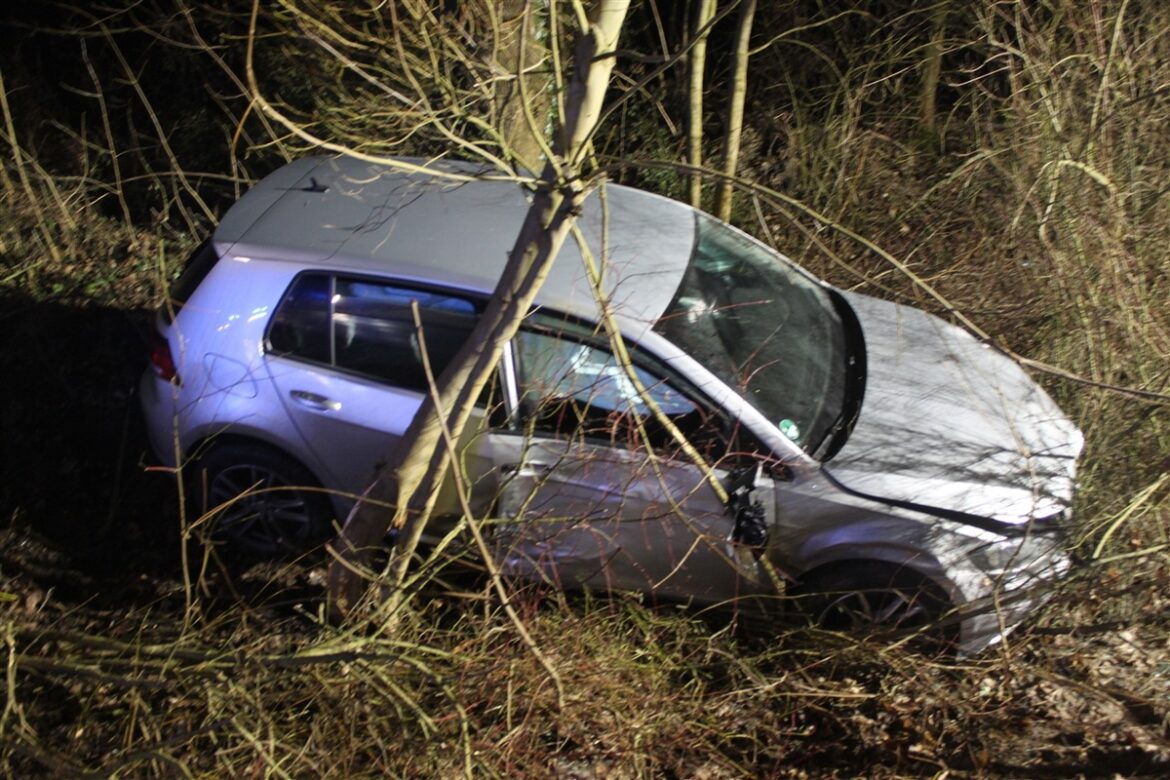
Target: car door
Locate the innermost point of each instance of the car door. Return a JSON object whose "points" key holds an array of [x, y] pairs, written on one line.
{"points": [[595, 492], [345, 356]]}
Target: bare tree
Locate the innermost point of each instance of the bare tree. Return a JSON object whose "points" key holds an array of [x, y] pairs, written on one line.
{"points": [[523, 93], [747, 13], [932, 69], [409, 482], [698, 60]]}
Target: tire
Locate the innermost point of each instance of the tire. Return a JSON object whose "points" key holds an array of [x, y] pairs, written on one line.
{"points": [[261, 503], [879, 600]]}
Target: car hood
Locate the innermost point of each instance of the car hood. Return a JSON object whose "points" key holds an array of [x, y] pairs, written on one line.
{"points": [[952, 424]]}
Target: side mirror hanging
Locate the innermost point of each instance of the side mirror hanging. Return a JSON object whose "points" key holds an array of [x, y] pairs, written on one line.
{"points": [[750, 529]]}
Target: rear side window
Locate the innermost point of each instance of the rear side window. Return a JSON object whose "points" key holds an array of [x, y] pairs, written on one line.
{"points": [[367, 327], [300, 326], [195, 270]]}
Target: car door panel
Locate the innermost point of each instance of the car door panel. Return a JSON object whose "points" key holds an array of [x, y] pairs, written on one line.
{"points": [[346, 356], [591, 501], [585, 514], [350, 425]]}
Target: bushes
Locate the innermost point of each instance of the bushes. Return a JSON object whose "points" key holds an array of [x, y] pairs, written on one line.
{"points": [[1038, 208]]}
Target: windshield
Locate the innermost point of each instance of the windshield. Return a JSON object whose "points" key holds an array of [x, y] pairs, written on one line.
{"points": [[765, 329]]}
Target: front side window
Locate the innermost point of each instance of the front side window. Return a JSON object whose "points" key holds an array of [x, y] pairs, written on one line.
{"points": [[367, 327], [571, 385]]}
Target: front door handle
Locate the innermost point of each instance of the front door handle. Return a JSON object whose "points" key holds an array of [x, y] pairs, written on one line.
{"points": [[529, 469], [317, 403]]}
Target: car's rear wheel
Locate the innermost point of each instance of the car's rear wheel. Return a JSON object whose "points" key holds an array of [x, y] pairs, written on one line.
{"points": [[260, 503], [877, 599]]}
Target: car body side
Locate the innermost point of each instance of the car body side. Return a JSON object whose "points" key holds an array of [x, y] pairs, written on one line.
{"points": [[233, 385]]}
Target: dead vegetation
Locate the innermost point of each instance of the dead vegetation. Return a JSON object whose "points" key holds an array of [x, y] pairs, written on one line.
{"points": [[1036, 204]]}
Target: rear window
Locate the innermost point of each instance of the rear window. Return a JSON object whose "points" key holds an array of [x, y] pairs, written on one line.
{"points": [[195, 270], [367, 327]]}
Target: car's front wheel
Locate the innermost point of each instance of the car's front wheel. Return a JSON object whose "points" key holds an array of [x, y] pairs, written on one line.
{"points": [[877, 599], [258, 502]]}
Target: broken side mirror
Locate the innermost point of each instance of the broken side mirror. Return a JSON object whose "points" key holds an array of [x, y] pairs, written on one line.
{"points": [[750, 528]]}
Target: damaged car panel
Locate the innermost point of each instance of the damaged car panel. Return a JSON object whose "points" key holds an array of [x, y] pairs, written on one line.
{"points": [[847, 446], [952, 423]]}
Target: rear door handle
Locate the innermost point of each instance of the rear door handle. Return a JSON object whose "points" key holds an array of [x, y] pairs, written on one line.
{"points": [[317, 403]]}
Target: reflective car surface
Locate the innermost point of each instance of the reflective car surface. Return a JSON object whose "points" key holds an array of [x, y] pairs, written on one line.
{"points": [[869, 457]]}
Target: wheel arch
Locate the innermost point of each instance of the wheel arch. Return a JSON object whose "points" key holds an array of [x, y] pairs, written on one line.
{"points": [[248, 438], [207, 440], [892, 557]]}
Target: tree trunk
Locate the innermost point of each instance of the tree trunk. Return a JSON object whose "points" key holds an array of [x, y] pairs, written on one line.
{"points": [[409, 481], [931, 71], [698, 61], [522, 53], [735, 102]]}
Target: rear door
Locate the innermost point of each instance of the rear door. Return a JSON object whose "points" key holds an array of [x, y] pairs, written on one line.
{"points": [[345, 356], [596, 492]]}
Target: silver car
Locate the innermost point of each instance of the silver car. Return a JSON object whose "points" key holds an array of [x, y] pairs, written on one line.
{"points": [[878, 461]]}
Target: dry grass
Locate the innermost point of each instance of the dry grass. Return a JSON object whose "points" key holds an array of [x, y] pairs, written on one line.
{"points": [[1039, 207]]}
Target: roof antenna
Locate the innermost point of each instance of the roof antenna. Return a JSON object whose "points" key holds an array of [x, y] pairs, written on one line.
{"points": [[315, 186]]}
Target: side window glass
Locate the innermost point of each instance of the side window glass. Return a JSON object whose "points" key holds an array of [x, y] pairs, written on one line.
{"points": [[367, 327], [300, 326], [374, 331], [574, 389]]}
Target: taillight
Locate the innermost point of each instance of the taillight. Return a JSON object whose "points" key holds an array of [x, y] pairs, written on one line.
{"points": [[161, 360]]}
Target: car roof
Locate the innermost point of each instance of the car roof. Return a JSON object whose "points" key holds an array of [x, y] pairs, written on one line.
{"points": [[342, 213]]}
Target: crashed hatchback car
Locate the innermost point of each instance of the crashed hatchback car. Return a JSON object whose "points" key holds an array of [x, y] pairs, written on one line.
{"points": [[869, 456]]}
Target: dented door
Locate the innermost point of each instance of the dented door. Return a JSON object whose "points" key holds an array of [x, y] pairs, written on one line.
{"points": [[591, 495]]}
